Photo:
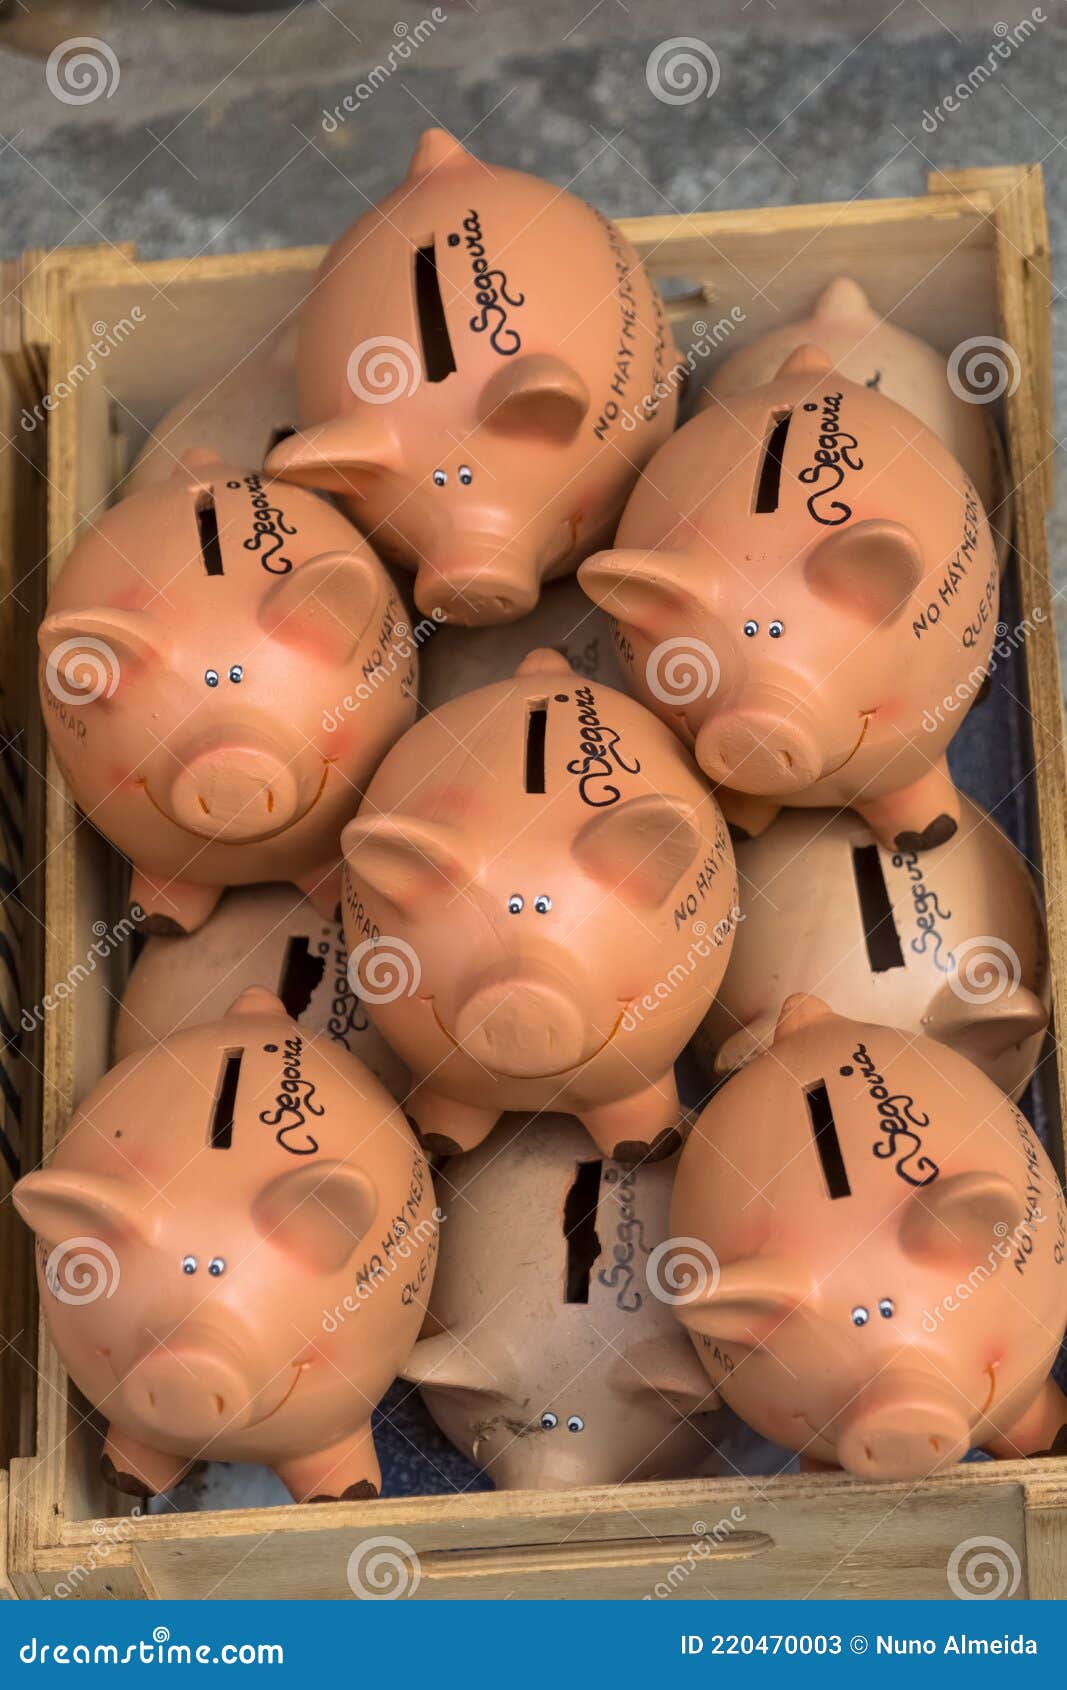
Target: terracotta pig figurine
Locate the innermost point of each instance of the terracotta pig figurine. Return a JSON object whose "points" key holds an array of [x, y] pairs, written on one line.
{"points": [[872, 350], [539, 902], [805, 588], [212, 1201], [222, 668], [484, 367], [550, 1362], [257, 933], [951, 944], [873, 1263]]}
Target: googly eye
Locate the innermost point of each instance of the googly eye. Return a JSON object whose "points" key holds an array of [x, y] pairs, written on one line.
{"points": [[776, 629], [576, 1423], [211, 676], [439, 477], [516, 904], [885, 1308], [189, 1264], [860, 1316], [236, 673], [549, 1421], [542, 903], [216, 1266], [751, 629], [466, 474]]}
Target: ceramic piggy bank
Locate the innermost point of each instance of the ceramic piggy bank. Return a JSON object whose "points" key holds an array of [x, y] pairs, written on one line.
{"points": [[869, 349], [801, 581], [539, 903], [212, 1200], [221, 671], [951, 944], [484, 367], [550, 1362], [873, 1260], [256, 934]]}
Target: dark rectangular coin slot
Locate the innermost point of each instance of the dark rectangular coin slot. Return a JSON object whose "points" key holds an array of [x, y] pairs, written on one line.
{"points": [[301, 973], [827, 1143], [220, 1136], [536, 729], [207, 524], [770, 475], [876, 911], [579, 1227], [438, 360]]}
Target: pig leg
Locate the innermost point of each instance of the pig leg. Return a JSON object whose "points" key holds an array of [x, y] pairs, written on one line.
{"points": [[172, 905], [136, 1469], [746, 813], [643, 1128], [920, 817], [446, 1127], [1042, 1430], [346, 1472], [323, 890]]}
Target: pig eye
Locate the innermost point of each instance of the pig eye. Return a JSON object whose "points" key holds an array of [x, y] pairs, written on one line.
{"points": [[885, 1308], [236, 673], [466, 475], [776, 630], [189, 1264], [515, 903], [542, 903], [211, 676], [860, 1316], [549, 1421], [751, 629], [576, 1423], [439, 477], [216, 1266]]}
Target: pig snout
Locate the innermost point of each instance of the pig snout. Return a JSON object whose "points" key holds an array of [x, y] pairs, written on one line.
{"points": [[193, 1386], [523, 1026], [477, 582], [237, 793], [765, 744], [904, 1426]]}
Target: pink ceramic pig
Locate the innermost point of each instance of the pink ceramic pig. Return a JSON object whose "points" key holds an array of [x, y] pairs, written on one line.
{"points": [[539, 904], [211, 1199], [872, 1252], [482, 359], [222, 668], [805, 588]]}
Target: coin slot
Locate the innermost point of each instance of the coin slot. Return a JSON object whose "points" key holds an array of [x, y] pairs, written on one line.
{"points": [[876, 910], [770, 474], [438, 360], [301, 974], [207, 524], [220, 1135], [579, 1228], [827, 1143], [536, 730]]}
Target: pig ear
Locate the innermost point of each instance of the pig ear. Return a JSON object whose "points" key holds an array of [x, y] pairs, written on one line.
{"points": [[988, 1027], [665, 1366], [538, 394], [196, 465], [60, 1206], [451, 1363], [639, 849], [436, 147], [257, 1000], [806, 360], [646, 590], [870, 568], [960, 1216], [326, 604], [317, 1213], [746, 1043], [843, 300], [85, 651], [337, 456], [800, 1011], [747, 1303], [405, 859]]}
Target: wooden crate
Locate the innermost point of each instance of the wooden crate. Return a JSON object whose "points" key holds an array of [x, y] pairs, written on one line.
{"points": [[971, 258]]}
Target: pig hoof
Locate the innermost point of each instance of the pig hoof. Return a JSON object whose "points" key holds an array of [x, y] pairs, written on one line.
{"points": [[439, 1144], [361, 1491], [163, 927], [939, 832], [127, 1483], [664, 1144]]}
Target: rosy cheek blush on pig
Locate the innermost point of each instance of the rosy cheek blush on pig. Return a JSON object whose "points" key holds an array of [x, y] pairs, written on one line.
{"points": [[539, 904]]}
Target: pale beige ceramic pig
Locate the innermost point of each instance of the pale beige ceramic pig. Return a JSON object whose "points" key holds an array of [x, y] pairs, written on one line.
{"points": [[550, 1362]]}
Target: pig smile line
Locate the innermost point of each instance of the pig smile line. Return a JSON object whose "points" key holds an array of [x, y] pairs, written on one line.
{"points": [[550, 1073], [868, 718], [273, 833]]}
